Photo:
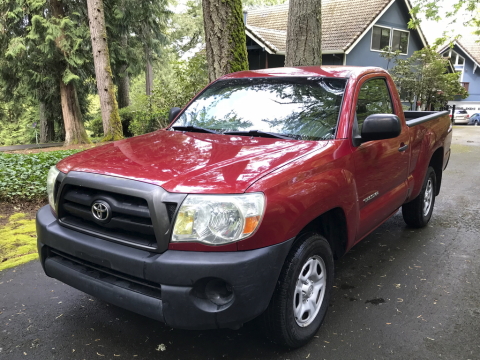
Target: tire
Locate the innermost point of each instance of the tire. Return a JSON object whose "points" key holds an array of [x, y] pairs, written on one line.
{"points": [[417, 213], [309, 257]]}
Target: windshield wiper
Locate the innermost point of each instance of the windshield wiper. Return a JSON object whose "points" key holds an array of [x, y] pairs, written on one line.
{"points": [[258, 133], [194, 128]]}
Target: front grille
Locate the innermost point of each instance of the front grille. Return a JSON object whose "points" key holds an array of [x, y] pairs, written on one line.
{"points": [[171, 208], [130, 219], [107, 275]]}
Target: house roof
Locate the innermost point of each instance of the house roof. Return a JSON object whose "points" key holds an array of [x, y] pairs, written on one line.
{"points": [[343, 23], [470, 45]]}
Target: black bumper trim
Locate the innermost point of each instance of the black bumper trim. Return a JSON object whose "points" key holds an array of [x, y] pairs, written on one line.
{"points": [[181, 276], [107, 291]]}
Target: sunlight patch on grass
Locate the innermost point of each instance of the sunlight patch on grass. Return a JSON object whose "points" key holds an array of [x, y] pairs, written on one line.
{"points": [[18, 241]]}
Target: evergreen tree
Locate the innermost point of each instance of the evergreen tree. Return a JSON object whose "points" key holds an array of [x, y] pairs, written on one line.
{"points": [[112, 127], [41, 48], [225, 37], [304, 33], [136, 35]]}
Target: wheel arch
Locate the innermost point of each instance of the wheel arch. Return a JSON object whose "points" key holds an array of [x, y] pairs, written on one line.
{"points": [[436, 162], [332, 225]]}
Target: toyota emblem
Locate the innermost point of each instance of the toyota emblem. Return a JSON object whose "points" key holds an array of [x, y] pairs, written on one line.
{"points": [[101, 210]]}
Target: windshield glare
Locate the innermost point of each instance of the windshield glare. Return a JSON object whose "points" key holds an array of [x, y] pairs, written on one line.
{"points": [[299, 108]]}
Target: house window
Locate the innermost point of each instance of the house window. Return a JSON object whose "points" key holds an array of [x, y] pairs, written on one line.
{"points": [[383, 37], [460, 60], [456, 59], [380, 38], [400, 41]]}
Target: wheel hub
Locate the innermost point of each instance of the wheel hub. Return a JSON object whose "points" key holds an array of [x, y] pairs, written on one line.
{"points": [[309, 291]]}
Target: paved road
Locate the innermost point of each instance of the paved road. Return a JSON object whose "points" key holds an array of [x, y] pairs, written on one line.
{"points": [[399, 294], [28, 146]]}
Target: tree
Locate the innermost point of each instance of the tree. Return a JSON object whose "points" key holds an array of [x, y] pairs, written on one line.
{"points": [[460, 8], [112, 127], [423, 78], [136, 34], [42, 57], [225, 37], [304, 33]]}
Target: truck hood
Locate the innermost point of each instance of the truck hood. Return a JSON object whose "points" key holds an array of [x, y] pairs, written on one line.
{"points": [[190, 162]]}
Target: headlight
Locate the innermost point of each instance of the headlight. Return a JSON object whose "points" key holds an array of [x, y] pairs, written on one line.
{"points": [[218, 219], [51, 178]]}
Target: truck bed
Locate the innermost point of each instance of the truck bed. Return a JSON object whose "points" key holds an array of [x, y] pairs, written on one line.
{"points": [[417, 117]]}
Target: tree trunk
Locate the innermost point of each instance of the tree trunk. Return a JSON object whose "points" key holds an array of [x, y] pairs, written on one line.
{"points": [[47, 129], [112, 126], [224, 37], [123, 88], [72, 117], [123, 81], [304, 33], [148, 72], [74, 131]]}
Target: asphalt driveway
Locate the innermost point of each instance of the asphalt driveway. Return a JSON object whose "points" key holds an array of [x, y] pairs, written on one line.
{"points": [[400, 294]]}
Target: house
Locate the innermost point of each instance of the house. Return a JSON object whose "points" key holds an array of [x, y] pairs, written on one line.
{"points": [[465, 57], [354, 32]]}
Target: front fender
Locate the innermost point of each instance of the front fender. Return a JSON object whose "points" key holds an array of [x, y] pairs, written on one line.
{"points": [[309, 187]]}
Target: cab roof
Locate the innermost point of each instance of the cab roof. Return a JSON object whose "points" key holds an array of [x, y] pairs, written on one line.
{"points": [[305, 71]]}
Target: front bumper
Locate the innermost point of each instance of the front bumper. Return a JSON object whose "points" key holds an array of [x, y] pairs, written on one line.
{"points": [[170, 287]]}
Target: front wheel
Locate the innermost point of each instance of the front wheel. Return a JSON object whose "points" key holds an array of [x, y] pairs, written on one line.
{"points": [[417, 213], [300, 300]]}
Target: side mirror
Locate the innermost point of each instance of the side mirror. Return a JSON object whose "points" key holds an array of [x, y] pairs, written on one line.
{"points": [[173, 113], [380, 127]]}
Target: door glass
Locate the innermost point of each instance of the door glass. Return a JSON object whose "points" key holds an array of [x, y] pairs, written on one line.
{"points": [[374, 98]]}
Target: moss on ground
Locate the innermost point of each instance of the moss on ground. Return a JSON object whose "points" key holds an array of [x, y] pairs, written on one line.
{"points": [[18, 241]]}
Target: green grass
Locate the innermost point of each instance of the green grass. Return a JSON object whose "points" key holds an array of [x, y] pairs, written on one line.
{"points": [[18, 241], [23, 176]]}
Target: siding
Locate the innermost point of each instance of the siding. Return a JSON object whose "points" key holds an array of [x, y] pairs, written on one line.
{"points": [[256, 59], [397, 17]]}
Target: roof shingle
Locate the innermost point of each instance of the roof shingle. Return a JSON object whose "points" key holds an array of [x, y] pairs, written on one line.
{"points": [[343, 21], [471, 43]]}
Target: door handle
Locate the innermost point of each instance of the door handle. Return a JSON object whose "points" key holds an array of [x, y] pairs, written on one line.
{"points": [[403, 147]]}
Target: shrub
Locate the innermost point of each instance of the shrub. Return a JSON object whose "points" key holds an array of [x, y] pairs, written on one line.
{"points": [[174, 87], [23, 177], [95, 126]]}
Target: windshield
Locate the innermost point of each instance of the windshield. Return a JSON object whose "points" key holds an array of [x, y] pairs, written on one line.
{"points": [[297, 108]]}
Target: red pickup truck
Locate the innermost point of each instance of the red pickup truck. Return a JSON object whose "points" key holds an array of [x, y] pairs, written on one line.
{"points": [[239, 208]]}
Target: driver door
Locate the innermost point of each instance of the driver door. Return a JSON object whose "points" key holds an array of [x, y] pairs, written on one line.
{"points": [[381, 166]]}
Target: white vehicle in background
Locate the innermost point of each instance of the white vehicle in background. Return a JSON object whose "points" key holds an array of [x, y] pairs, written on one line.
{"points": [[460, 117]]}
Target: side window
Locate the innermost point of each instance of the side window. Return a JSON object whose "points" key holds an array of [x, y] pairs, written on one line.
{"points": [[373, 98]]}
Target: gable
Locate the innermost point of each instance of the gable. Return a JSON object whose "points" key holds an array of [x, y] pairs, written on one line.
{"points": [[344, 22]]}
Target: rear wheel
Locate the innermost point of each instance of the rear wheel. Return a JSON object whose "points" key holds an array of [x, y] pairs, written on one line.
{"points": [[300, 300], [417, 213]]}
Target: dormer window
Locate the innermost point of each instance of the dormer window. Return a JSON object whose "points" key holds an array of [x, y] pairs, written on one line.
{"points": [[455, 58], [395, 39]]}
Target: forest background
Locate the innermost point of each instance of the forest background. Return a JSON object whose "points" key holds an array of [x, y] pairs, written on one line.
{"points": [[157, 57]]}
